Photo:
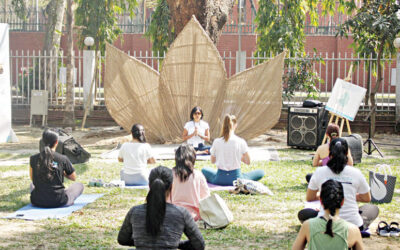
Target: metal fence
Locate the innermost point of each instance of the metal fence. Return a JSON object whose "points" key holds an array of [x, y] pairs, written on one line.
{"points": [[36, 21], [35, 70]]}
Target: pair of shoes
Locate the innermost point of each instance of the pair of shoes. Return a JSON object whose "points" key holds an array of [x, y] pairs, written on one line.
{"points": [[388, 230], [96, 183]]}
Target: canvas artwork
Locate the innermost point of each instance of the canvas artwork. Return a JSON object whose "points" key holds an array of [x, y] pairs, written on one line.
{"points": [[345, 99]]}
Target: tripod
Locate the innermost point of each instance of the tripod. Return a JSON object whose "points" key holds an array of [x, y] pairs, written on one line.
{"points": [[370, 141]]}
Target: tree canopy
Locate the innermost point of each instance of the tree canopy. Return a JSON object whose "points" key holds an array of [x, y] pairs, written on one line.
{"points": [[374, 28], [98, 19]]}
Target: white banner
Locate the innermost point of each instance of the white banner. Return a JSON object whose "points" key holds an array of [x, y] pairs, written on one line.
{"points": [[345, 99], [5, 98]]}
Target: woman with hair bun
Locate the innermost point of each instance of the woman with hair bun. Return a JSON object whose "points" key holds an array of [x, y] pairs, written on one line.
{"points": [[196, 131], [355, 186], [227, 152], [190, 186], [159, 224], [321, 156], [47, 171], [136, 155], [329, 231]]}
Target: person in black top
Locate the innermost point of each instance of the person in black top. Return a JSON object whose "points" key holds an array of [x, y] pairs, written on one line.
{"points": [[158, 224], [47, 171]]}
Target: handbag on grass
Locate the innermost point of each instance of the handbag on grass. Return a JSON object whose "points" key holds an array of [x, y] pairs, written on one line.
{"points": [[214, 212], [382, 184], [252, 187]]}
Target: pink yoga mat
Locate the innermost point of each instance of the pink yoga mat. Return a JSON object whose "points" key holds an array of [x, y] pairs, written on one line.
{"points": [[213, 187]]}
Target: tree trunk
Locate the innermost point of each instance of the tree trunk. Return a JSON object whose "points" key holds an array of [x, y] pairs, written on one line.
{"points": [[69, 115], [375, 90], [212, 15], [55, 16]]}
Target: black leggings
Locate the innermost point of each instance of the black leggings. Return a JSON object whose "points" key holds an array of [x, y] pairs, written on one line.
{"points": [[368, 213]]}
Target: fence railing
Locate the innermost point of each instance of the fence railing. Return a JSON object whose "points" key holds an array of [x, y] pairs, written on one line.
{"points": [[35, 70], [36, 22]]}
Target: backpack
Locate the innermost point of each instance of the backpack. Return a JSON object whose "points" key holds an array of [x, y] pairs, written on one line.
{"points": [[69, 147]]}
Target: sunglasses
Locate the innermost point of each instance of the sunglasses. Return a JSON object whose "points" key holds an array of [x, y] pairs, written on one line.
{"points": [[197, 113]]}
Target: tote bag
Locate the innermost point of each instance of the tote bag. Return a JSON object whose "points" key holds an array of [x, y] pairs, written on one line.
{"points": [[214, 211], [382, 184]]}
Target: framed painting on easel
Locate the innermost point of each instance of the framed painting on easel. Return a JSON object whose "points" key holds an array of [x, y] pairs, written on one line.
{"points": [[344, 102]]}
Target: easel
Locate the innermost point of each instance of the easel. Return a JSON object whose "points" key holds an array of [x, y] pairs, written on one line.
{"points": [[338, 117]]}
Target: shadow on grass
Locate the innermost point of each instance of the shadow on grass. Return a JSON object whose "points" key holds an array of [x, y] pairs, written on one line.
{"points": [[95, 236], [14, 200], [81, 168]]}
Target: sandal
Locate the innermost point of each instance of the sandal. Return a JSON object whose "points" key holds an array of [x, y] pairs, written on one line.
{"points": [[394, 229], [383, 230]]}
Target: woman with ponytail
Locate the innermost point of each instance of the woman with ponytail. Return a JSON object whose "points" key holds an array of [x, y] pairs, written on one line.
{"points": [[136, 155], [227, 152], [321, 156], [190, 186], [47, 170], [329, 231], [355, 186], [159, 224]]}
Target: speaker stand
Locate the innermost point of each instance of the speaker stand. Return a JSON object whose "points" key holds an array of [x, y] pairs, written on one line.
{"points": [[371, 144]]}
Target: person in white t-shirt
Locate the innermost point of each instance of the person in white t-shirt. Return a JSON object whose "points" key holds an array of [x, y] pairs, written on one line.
{"points": [[355, 186], [196, 131], [227, 152], [136, 155]]}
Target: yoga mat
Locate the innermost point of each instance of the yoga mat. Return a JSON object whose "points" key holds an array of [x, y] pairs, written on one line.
{"points": [[30, 212], [213, 187]]}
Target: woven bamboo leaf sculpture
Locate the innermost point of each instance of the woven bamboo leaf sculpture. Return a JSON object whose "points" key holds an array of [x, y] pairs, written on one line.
{"points": [[192, 74]]}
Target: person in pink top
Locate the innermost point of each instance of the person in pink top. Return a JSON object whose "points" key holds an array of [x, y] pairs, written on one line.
{"points": [[190, 185]]}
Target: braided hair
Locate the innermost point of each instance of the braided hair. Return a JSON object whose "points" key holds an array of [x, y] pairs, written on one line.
{"points": [[338, 150], [331, 197]]}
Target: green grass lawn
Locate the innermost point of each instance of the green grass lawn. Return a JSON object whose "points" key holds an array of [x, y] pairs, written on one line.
{"points": [[260, 222]]}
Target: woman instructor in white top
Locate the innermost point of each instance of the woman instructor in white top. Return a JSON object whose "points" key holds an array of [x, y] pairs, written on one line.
{"points": [[227, 152], [196, 131]]}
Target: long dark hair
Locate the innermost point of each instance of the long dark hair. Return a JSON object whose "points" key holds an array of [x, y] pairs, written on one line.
{"points": [[338, 150], [45, 163], [185, 157], [331, 196], [138, 132], [194, 110], [160, 182], [227, 126]]}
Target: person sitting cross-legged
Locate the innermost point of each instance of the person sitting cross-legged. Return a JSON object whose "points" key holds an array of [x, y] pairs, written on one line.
{"points": [[47, 171], [227, 152], [329, 231], [190, 185], [158, 224], [355, 186]]}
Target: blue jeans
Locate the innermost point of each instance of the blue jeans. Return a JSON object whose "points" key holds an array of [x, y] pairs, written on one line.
{"points": [[226, 178], [202, 147]]}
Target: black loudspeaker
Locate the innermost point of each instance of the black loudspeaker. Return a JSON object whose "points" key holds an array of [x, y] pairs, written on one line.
{"points": [[306, 126]]}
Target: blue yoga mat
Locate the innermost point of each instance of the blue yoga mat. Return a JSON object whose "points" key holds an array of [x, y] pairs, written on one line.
{"points": [[30, 212]]}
